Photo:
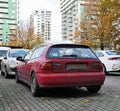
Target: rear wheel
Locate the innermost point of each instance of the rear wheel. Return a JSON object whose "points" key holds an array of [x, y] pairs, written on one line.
{"points": [[34, 85], [93, 89]]}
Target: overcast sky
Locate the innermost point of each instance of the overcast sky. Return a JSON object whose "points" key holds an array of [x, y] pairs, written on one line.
{"points": [[28, 6]]}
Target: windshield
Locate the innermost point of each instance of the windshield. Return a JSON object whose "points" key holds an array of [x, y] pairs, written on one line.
{"points": [[15, 53], [70, 52], [3, 53], [112, 52]]}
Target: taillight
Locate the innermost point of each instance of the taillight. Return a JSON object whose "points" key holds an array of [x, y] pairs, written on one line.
{"points": [[56, 66], [114, 58], [51, 66], [97, 65], [46, 66]]}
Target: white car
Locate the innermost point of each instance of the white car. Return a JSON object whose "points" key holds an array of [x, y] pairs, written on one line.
{"points": [[110, 60], [9, 62], [3, 51]]}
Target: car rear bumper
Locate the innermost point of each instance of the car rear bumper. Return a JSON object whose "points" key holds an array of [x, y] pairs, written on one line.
{"points": [[11, 71], [113, 67], [114, 72], [70, 79]]}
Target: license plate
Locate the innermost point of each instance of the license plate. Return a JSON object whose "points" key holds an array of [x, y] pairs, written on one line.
{"points": [[81, 66]]}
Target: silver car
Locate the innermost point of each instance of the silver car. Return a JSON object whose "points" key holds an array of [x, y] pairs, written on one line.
{"points": [[9, 62]]}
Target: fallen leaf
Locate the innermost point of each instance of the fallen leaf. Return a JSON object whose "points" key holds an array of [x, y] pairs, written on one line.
{"points": [[86, 100]]}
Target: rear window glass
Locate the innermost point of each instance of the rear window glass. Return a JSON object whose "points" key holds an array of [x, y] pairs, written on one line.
{"points": [[99, 54], [113, 52], [3, 53], [70, 52], [15, 53]]}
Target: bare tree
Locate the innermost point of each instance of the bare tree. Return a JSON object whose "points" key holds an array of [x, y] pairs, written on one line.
{"points": [[26, 37]]}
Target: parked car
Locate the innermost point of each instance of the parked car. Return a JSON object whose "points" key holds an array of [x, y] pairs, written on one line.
{"points": [[110, 60], [9, 62], [3, 51], [60, 65]]}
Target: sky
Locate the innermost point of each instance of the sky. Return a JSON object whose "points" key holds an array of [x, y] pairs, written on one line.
{"points": [[28, 6]]}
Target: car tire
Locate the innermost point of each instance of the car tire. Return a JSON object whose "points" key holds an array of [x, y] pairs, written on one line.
{"points": [[93, 89], [34, 86], [104, 69], [2, 73], [17, 77], [6, 74]]}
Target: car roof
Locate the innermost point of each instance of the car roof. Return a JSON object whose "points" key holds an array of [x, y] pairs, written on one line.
{"points": [[5, 48], [64, 44], [18, 49]]}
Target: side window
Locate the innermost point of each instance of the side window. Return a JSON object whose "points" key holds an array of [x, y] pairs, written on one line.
{"points": [[27, 57], [38, 52], [99, 54]]}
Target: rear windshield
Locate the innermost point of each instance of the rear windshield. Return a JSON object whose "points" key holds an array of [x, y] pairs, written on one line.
{"points": [[3, 53], [113, 52], [70, 52], [15, 53]]}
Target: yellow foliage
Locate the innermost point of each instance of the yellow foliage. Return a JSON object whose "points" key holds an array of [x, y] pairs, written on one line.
{"points": [[98, 22]]}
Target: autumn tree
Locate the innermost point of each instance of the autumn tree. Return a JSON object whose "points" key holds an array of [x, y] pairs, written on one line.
{"points": [[107, 30], [100, 23], [26, 37]]}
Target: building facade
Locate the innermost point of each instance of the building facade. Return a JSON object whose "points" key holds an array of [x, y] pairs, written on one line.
{"points": [[41, 22], [71, 11], [9, 19]]}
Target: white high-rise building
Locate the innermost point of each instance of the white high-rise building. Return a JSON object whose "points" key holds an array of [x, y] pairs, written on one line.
{"points": [[9, 17], [41, 22], [71, 12]]}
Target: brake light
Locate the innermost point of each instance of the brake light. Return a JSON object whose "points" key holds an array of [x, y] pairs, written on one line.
{"points": [[51, 66], [46, 66], [97, 65], [114, 58]]}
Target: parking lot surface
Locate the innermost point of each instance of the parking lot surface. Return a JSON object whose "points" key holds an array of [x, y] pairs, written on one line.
{"points": [[17, 97]]}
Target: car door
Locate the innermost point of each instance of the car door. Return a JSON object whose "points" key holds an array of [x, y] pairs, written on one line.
{"points": [[33, 61], [4, 62], [23, 66]]}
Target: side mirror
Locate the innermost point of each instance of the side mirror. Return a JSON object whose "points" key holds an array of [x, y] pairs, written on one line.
{"points": [[19, 58], [5, 57]]}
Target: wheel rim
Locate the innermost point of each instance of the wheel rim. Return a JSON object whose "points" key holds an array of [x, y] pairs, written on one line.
{"points": [[33, 82]]}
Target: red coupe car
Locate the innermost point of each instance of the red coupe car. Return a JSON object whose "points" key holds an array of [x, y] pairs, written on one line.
{"points": [[60, 65]]}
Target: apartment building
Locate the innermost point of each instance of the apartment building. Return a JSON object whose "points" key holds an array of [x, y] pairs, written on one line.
{"points": [[41, 22], [9, 17], [71, 11]]}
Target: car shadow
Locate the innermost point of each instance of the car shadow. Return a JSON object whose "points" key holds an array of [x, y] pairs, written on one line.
{"points": [[66, 93], [113, 74], [63, 92]]}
